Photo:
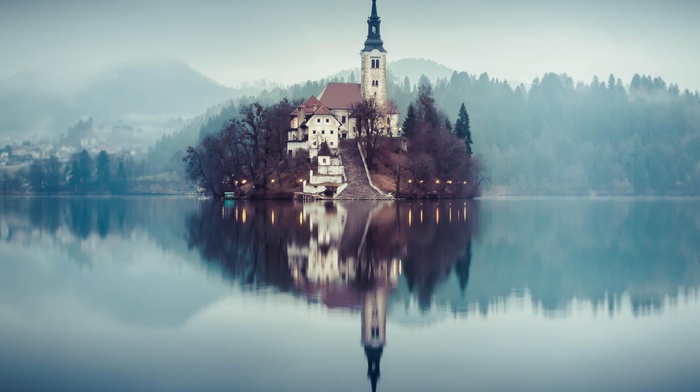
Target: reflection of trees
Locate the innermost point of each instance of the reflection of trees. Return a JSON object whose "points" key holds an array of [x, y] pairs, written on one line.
{"points": [[436, 238], [70, 221], [600, 251], [357, 245], [248, 241]]}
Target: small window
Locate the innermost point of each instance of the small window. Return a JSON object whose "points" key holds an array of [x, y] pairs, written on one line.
{"points": [[328, 120], [344, 119], [318, 120], [324, 160], [323, 132], [331, 132], [314, 131], [388, 120], [331, 144], [314, 144]]}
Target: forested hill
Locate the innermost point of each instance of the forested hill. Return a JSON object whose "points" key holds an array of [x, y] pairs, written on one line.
{"points": [[563, 137], [557, 137]]}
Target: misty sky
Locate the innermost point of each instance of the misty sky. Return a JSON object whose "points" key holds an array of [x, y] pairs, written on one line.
{"points": [[238, 41]]}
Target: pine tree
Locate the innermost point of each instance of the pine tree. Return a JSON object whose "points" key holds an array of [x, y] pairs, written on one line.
{"points": [[411, 121], [462, 129], [103, 170]]}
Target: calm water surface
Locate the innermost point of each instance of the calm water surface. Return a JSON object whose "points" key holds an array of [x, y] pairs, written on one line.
{"points": [[160, 294]]}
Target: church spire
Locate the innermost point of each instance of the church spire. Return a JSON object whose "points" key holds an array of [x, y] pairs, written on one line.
{"points": [[374, 37]]}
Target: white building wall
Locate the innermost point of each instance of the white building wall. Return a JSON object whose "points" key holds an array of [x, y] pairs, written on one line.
{"points": [[323, 128]]}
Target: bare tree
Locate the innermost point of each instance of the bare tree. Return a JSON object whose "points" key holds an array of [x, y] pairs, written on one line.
{"points": [[206, 166], [369, 118]]}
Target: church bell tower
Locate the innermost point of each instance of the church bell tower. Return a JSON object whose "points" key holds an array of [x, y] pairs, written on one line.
{"points": [[373, 66]]}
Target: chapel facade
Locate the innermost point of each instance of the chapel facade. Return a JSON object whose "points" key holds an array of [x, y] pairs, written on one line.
{"points": [[329, 118]]}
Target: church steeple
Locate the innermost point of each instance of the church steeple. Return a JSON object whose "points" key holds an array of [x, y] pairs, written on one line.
{"points": [[374, 37]]}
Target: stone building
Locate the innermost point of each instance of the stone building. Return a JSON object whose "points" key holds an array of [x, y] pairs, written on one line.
{"points": [[329, 117]]}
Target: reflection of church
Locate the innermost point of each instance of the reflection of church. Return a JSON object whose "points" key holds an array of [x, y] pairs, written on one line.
{"points": [[335, 269], [374, 330]]}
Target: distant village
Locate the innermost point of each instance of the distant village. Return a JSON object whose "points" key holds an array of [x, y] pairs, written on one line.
{"points": [[23, 154]]}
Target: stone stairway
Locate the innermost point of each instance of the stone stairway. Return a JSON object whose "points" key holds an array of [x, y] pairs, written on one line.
{"points": [[358, 185]]}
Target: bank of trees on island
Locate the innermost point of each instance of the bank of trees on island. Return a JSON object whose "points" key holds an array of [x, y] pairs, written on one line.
{"points": [[248, 155], [431, 159]]}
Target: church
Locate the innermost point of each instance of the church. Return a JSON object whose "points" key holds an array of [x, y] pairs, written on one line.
{"points": [[328, 118]]}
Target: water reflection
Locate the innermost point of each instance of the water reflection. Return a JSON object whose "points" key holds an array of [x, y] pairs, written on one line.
{"points": [[344, 255], [388, 264]]}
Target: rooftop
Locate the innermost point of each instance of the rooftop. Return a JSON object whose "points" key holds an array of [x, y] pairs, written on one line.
{"points": [[341, 95]]}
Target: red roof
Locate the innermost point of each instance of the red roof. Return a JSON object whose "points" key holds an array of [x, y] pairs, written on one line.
{"points": [[323, 111], [311, 102], [341, 95], [311, 105]]}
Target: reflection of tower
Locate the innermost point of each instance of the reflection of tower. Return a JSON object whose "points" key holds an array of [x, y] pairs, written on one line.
{"points": [[374, 330]]}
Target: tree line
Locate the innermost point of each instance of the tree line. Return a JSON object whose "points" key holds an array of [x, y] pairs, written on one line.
{"points": [[81, 174], [561, 137]]}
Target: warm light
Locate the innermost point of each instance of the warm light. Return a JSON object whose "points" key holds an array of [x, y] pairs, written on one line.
{"points": [[301, 180], [437, 181], [449, 182], [410, 217], [437, 215], [244, 181], [421, 181], [245, 216], [465, 183], [421, 216], [301, 218], [272, 181], [410, 181]]}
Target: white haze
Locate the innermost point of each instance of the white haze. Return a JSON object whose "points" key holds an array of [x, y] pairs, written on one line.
{"points": [[238, 42]]}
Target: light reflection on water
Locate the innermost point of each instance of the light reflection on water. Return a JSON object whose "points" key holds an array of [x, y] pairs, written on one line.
{"points": [[162, 294]]}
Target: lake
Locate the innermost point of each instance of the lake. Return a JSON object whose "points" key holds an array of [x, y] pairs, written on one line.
{"points": [[174, 294]]}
